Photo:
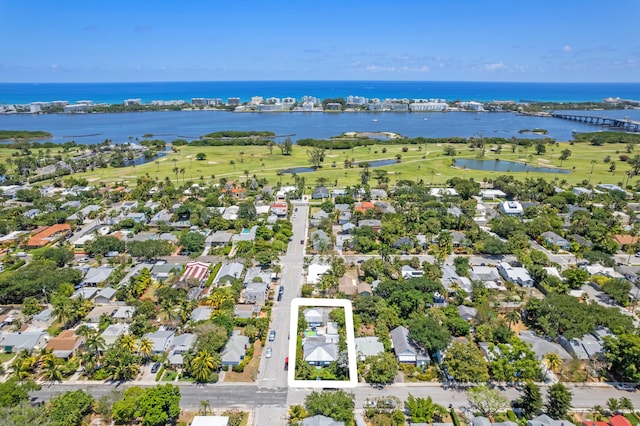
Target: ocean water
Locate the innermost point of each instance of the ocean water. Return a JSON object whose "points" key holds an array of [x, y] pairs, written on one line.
{"points": [[23, 93]]}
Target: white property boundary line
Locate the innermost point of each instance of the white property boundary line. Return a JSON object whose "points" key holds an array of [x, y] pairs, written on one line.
{"points": [[351, 344]]}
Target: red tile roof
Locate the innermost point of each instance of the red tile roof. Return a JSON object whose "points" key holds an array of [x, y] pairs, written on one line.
{"points": [[49, 235]]}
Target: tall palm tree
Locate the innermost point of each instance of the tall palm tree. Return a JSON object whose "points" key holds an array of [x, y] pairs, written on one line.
{"points": [[553, 361], [128, 341], [145, 347], [203, 364], [51, 369], [205, 405], [513, 317], [95, 344], [613, 405], [625, 404]]}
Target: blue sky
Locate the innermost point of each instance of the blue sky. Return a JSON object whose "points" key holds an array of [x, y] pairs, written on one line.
{"points": [[446, 40]]}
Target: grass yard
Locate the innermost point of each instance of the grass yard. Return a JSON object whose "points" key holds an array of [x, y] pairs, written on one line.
{"points": [[4, 357], [426, 162]]}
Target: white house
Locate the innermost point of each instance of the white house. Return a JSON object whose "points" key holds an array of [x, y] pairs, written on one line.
{"points": [[512, 208], [515, 274]]}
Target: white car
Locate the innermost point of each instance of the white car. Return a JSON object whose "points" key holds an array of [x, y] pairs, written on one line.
{"points": [[267, 354]]}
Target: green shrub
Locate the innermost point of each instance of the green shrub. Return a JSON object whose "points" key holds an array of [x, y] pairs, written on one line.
{"points": [[454, 417]]}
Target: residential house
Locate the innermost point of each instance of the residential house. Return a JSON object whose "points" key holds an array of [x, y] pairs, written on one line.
{"points": [[197, 271], [84, 213], [511, 208], [124, 314], [541, 346], [619, 420], [246, 311], [210, 421], [378, 194], [368, 346], [163, 216], [404, 349], [555, 240], [373, 223], [65, 345], [364, 289], [161, 340], [28, 341], [162, 270], [86, 293], [256, 292], [443, 192], [315, 271], [409, 272], [30, 214], [320, 420], [458, 239], [201, 313], [43, 319], [180, 345], [348, 228], [320, 193], [245, 235], [320, 240], [384, 207], [450, 278], [231, 213], [348, 285], [319, 352], [104, 296], [344, 217], [626, 240], [112, 333], [218, 239], [467, 313], [544, 420], [49, 235], [491, 194], [280, 209], [515, 274], [229, 272], [235, 350], [97, 312], [403, 243], [363, 207], [95, 276], [315, 317]]}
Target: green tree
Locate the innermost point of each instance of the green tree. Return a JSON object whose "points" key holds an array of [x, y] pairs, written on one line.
{"points": [[623, 351], [104, 244], [558, 401], [531, 400], [69, 408], [159, 405], [316, 156], [203, 364], [465, 363], [13, 391], [60, 255], [338, 405], [421, 410], [382, 368], [201, 156], [486, 400], [427, 333], [192, 242], [575, 277]]}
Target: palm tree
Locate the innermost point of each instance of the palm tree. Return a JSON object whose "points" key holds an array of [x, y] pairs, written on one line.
{"points": [[553, 361], [51, 368], [84, 331], [145, 347], [182, 172], [513, 317], [613, 405], [205, 405], [202, 365], [128, 341], [625, 403], [95, 343]]}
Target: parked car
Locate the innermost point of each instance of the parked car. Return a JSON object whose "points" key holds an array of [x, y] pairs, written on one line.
{"points": [[267, 354], [272, 335], [280, 293], [155, 367], [302, 242]]}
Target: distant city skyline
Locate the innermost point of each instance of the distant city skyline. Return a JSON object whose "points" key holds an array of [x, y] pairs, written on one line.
{"points": [[412, 40]]}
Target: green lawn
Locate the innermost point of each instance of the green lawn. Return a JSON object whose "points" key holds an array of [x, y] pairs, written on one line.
{"points": [[6, 357], [426, 162]]}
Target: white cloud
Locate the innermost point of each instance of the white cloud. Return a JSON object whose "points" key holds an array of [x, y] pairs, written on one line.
{"points": [[567, 48], [496, 66]]}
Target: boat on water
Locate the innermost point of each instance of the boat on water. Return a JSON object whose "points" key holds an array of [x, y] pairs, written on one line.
{"points": [[375, 120]]}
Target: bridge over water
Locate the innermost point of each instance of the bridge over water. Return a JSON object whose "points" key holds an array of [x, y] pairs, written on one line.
{"points": [[614, 123]]}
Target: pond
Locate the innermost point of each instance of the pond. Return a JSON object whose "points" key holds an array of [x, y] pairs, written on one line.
{"points": [[504, 166], [379, 163]]}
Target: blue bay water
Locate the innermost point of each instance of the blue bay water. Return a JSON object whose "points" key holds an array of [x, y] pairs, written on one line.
{"points": [[171, 125]]}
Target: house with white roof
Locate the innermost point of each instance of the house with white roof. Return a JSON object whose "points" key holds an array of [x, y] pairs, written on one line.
{"points": [[512, 208], [315, 271], [515, 274]]}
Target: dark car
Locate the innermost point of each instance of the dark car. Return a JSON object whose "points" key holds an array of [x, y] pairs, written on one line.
{"points": [[155, 367], [280, 293], [272, 335], [301, 241]]}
